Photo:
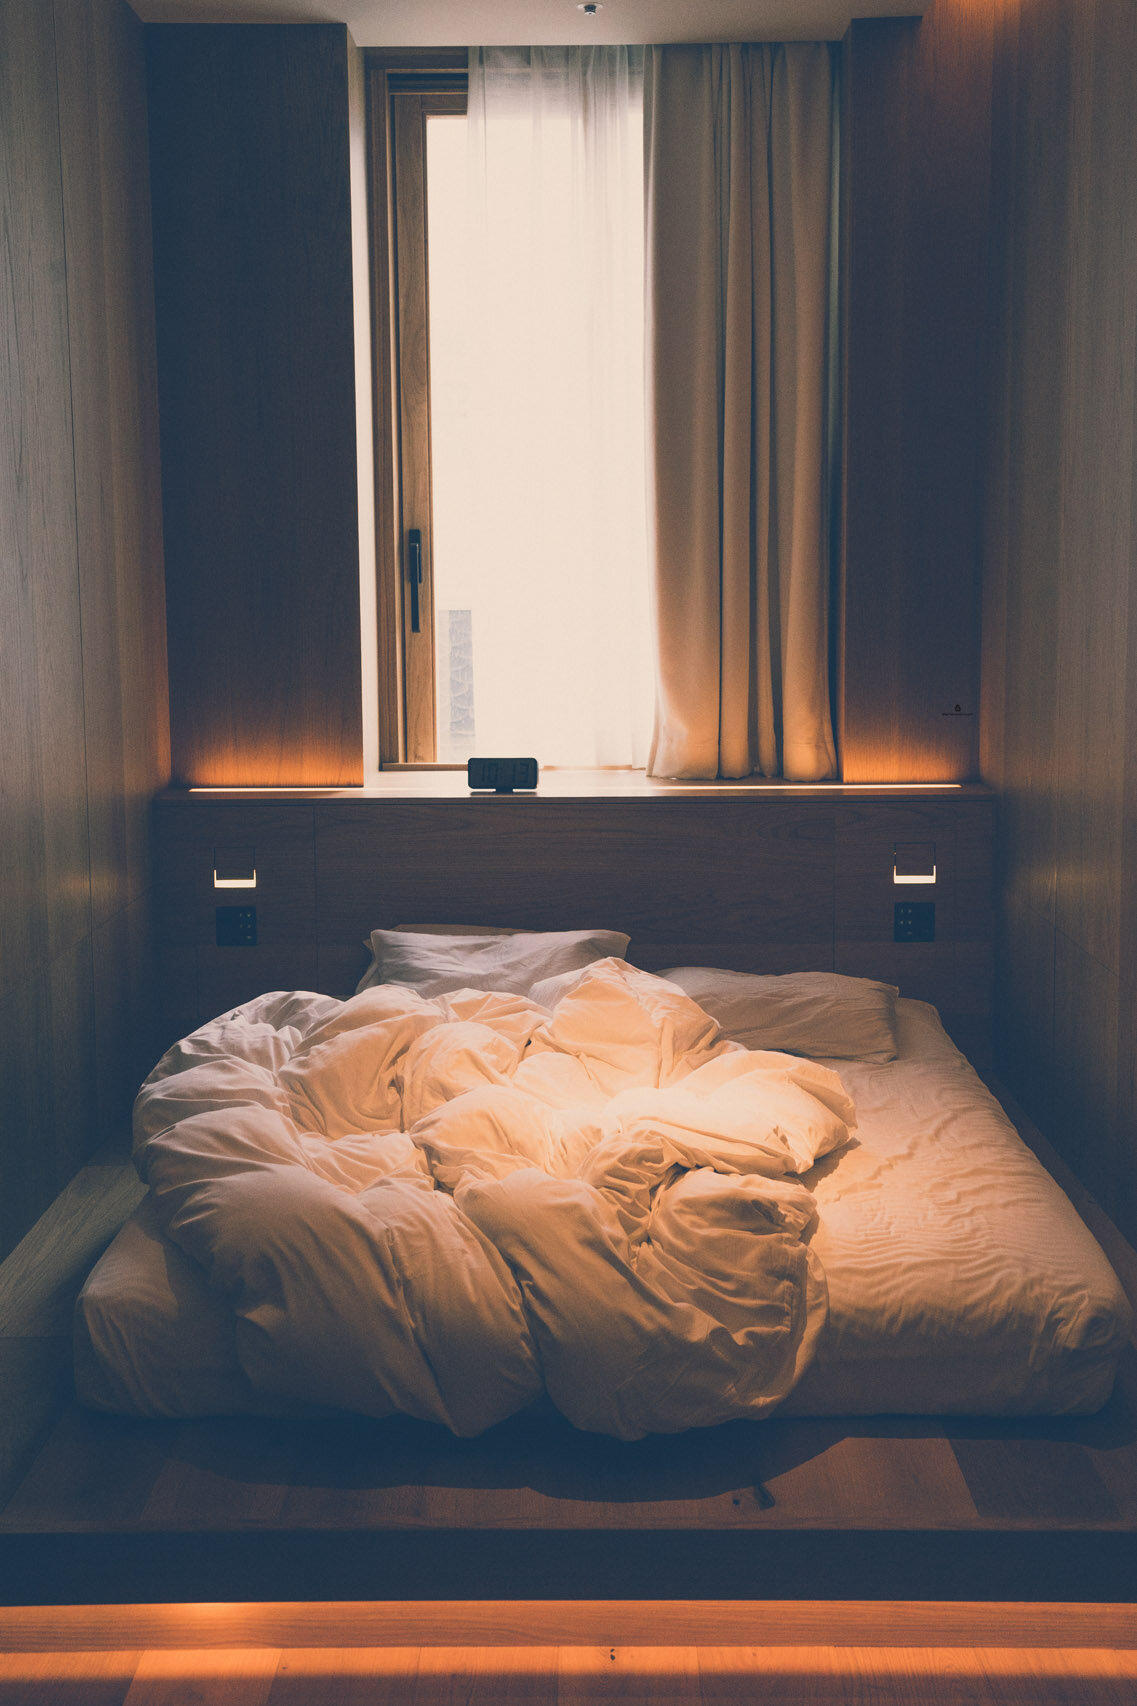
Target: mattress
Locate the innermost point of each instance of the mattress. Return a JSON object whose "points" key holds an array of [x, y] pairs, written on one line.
{"points": [[961, 1279]]}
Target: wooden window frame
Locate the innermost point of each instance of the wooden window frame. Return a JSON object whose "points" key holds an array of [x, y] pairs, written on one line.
{"points": [[404, 88]]}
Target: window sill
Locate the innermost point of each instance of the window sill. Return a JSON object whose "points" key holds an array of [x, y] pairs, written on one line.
{"points": [[440, 784]]}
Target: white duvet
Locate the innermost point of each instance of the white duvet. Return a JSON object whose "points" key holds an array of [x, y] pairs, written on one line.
{"points": [[450, 1207]]}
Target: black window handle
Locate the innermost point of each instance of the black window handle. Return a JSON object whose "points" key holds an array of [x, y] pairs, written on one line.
{"points": [[414, 572]]}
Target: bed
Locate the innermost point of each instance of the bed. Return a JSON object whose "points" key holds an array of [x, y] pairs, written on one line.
{"points": [[915, 1258]]}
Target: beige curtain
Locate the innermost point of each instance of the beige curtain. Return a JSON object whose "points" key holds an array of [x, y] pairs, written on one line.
{"points": [[739, 162]]}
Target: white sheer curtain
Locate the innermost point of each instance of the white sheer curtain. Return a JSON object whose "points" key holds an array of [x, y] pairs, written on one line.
{"points": [[548, 448]]}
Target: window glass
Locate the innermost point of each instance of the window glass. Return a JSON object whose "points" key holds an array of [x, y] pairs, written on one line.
{"points": [[538, 548]]}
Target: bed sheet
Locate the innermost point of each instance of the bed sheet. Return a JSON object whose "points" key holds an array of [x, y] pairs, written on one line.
{"points": [[961, 1279]]}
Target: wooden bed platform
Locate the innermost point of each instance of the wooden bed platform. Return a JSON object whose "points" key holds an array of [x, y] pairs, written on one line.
{"points": [[100, 1509]]}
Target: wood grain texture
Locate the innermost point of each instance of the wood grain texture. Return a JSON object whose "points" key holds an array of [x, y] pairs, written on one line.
{"points": [[45, 892], [76, 1679], [678, 871], [762, 883], [47, 1087], [650, 1674], [408, 131], [83, 736], [280, 839], [41, 1278], [1060, 642], [127, 1032], [35, 1382], [852, 1491], [388, 513], [249, 142], [917, 118], [360, 1630], [209, 1679], [106, 195]]}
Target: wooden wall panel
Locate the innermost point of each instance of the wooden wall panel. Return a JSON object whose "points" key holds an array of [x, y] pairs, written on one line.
{"points": [[47, 1087], [45, 906], [114, 392], [83, 733], [671, 871], [1060, 637], [763, 884], [916, 165], [249, 143]]}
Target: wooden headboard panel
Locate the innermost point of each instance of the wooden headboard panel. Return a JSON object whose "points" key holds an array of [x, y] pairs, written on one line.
{"points": [[756, 880]]}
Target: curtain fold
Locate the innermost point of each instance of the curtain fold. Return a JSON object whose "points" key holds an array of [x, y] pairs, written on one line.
{"points": [[739, 166]]}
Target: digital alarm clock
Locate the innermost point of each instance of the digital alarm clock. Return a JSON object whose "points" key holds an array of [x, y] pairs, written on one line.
{"points": [[503, 775]]}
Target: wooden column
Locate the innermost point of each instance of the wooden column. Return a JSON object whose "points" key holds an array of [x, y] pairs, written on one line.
{"points": [[253, 265], [915, 181]]}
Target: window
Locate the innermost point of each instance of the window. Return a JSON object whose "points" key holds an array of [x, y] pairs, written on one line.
{"points": [[514, 609]]}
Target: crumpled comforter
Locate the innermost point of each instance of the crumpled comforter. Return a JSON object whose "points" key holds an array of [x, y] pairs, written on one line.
{"points": [[451, 1207]]}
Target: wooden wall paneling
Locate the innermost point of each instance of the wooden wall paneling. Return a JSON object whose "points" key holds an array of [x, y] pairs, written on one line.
{"points": [[198, 979], [1062, 663], [68, 1060], [866, 892], [137, 566], [228, 976], [1087, 1006], [81, 689], [996, 507], [954, 972], [1125, 1184], [918, 116], [339, 967], [280, 838], [975, 851], [179, 1005], [47, 1086], [106, 199], [45, 892], [1024, 1001], [672, 872], [1124, 1207], [760, 885], [1033, 327], [80, 118], [249, 146], [127, 1033], [1098, 562]]}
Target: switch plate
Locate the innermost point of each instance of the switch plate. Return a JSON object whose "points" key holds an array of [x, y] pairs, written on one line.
{"points": [[914, 921], [236, 926]]}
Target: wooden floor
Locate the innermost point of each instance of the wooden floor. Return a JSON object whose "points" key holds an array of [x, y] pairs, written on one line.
{"points": [[573, 1676], [114, 1511], [109, 1508]]}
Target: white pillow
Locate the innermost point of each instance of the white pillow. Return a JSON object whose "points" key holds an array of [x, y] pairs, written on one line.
{"points": [[510, 961], [817, 1013]]}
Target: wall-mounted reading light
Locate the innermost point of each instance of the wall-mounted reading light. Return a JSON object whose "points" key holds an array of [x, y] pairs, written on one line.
{"points": [[234, 868], [914, 862], [249, 882]]}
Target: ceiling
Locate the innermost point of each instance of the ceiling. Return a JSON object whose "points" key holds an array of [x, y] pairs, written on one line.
{"points": [[461, 23]]}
